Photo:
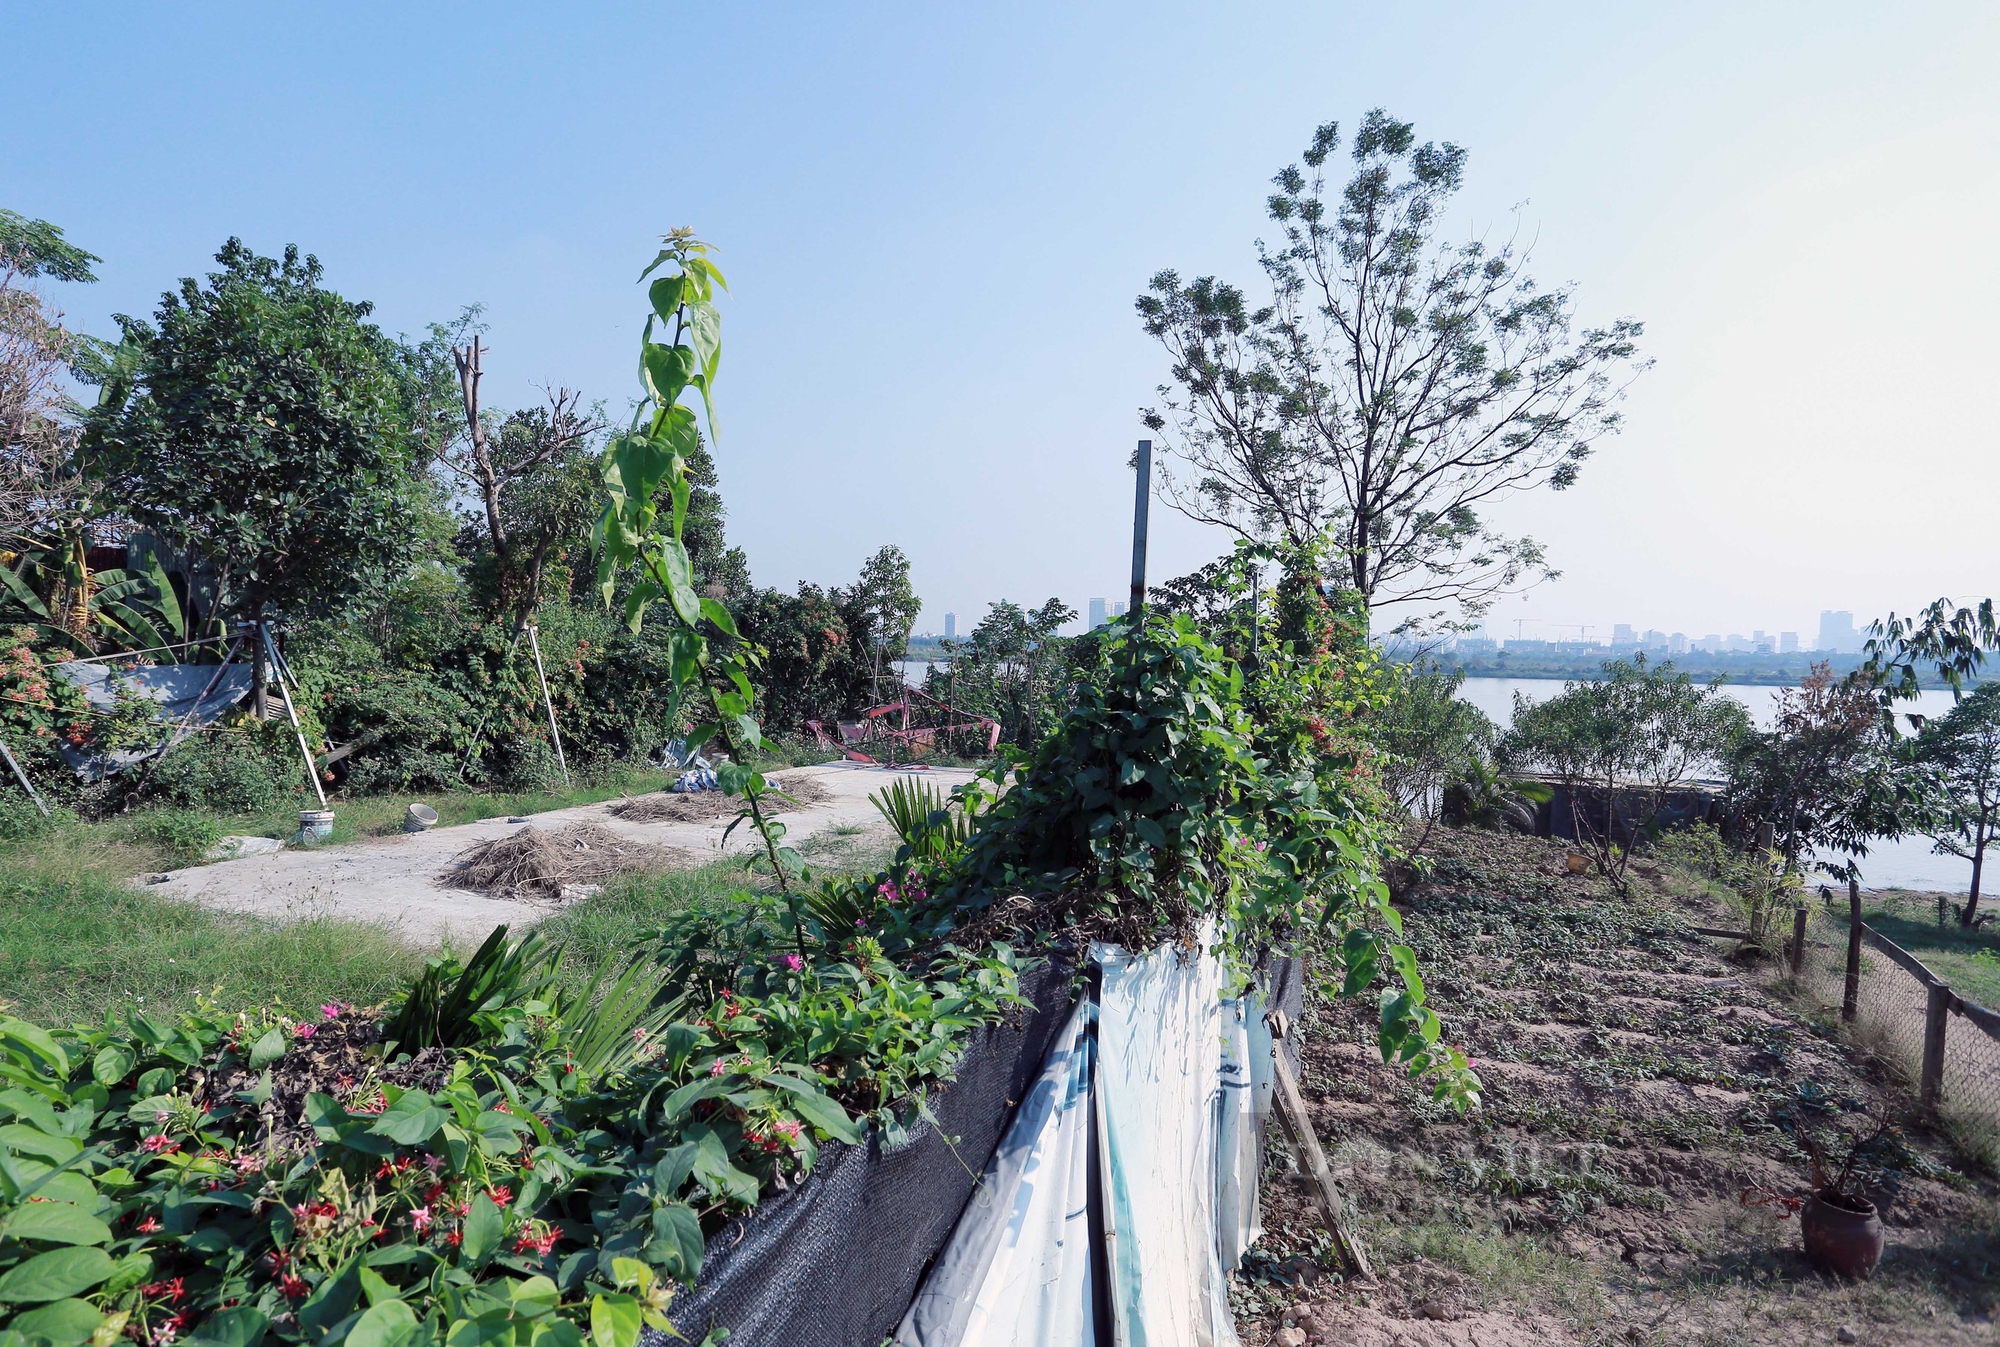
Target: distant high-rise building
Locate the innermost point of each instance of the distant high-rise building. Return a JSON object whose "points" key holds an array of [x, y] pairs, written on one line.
{"points": [[1118, 609], [1711, 643], [1837, 634], [1621, 633], [1788, 643], [950, 626], [1677, 644], [1096, 614], [1736, 643], [1654, 640]]}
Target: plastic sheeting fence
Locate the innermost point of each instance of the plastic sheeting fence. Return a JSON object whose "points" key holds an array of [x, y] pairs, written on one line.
{"points": [[1090, 1178], [1126, 1188]]}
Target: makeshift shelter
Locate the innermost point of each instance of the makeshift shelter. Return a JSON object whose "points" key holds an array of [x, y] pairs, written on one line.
{"points": [[187, 695]]}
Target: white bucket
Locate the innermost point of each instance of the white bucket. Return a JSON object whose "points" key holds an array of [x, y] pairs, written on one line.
{"points": [[315, 825], [420, 818]]}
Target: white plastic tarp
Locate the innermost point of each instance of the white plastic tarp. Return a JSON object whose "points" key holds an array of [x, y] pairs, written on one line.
{"points": [[1170, 1083], [1017, 1270]]}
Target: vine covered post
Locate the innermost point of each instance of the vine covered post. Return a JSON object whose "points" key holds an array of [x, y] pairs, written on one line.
{"points": [[647, 481]]}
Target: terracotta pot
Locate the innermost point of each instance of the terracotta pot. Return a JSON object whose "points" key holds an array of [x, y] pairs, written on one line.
{"points": [[1842, 1234]]}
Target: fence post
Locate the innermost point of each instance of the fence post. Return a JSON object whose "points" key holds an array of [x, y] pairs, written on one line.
{"points": [[1850, 996], [1931, 1084], [1799, 940]]}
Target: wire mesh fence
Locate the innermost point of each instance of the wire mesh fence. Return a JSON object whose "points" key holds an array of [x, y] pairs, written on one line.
{"points": [[1945, 1047]]}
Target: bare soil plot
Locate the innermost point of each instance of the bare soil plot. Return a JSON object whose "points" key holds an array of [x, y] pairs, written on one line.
{"points": [[405, 881], [1637, 1083]]}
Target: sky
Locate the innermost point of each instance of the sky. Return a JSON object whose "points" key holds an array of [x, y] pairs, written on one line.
{"points": [[935, 219]]}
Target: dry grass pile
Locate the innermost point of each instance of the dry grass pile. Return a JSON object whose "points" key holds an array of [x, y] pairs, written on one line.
{"points": [[537, 864], [667, 807]]}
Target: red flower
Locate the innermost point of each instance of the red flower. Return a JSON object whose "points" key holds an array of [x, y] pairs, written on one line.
{"points": [[149, 1226], [501, 1195], [293, 1287], [530, 1242], [174, 1290]]}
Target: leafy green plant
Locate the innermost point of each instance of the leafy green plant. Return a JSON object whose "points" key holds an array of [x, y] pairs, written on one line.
{"points": [[185, 834], [444, 1006], [924, 819]]}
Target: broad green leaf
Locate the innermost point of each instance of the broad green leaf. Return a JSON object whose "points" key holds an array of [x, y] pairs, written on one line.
{"points": [[534, 1297], [712, 1168], [615, 1321], [55, 1223], [680, 577], [556, 1333], [267, 1049], [128, 1272], [389, 1323], [677, 1241], [37, 1041], [483, 1229], [491, 1329], [332, 1302], [411, 1120], [24, 1140], [113, 1063], [665, 296], [64, 1323], [672, 1169], [54, 1275], [704, 331], [667, 370], [375, 1288], [817, 1108], [242, 1326]]}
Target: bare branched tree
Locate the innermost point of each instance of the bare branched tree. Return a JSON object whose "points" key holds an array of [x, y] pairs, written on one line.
{"points": [[1389, 392], [519, 461]]}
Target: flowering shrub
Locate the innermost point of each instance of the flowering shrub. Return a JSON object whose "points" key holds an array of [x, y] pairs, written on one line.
{"points": [[236, 1177]]}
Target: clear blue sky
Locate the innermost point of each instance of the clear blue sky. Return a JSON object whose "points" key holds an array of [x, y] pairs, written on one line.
{"points": [[935, 219]]}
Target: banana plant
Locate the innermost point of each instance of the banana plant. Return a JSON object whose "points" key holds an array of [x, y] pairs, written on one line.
{"points": [[54, 592], [642, 526]]}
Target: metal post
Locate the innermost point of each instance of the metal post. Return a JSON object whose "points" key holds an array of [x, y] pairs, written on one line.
{"points": [[1930, 1086], [1850, 996], [1799, 940], [549, 703], [1142, 496]]}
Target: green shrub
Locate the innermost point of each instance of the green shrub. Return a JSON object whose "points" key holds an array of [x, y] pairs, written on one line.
{"points": [[21, 821], [184, 834], [232, 773]]}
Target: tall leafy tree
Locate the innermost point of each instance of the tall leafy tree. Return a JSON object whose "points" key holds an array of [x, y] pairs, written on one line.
{"points": [[1962, 748], [265, 426], [37, 430], [1392, 387]]}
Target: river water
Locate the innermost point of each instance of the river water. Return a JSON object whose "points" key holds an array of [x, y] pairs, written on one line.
{"points": [[1901, 863]]}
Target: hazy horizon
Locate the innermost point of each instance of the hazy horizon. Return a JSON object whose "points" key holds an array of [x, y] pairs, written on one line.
{"points": [[935, 222]]}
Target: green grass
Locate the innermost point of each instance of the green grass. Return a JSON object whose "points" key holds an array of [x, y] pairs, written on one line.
{"points": [[76, 940], [1968, 960]]}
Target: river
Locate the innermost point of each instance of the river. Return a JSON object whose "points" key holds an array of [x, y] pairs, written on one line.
{"points": [[1900, 863]]}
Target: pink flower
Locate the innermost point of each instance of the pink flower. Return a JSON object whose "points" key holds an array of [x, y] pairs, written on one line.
{"points": [[333, 1010], [159, 1143], [305, 1031], [420, 1219], [248, 1163], [717, 1067], [792, 962]]}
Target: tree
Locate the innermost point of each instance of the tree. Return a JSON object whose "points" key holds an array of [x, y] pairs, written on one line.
{"points": [[37, 433], [885, 604], [265, 427], [1434, 740], [1962, 748], [1619, 745], [1013, 668], [1827, 776], [534, 477], [1393, 387]]}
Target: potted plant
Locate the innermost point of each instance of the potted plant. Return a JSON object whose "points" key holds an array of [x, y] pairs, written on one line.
{"points": [[1841, 1228]]}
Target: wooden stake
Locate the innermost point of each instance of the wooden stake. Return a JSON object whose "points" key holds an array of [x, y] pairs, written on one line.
{"points": [[1850, 996], [22, 777], [1292, 1114]]}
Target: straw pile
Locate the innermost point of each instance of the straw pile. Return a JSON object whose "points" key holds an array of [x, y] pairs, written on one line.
{"points": [[701, 806], [537, 864]]}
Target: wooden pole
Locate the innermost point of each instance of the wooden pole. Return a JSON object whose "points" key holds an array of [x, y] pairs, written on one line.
{"points": [[1850, 996], [1799, 940], [535, 644], [1326, 1196], [1930, 1086], [1142, 497]]}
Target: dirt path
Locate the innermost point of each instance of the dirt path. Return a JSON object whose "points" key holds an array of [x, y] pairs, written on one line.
{"points": [[396, 880]]}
